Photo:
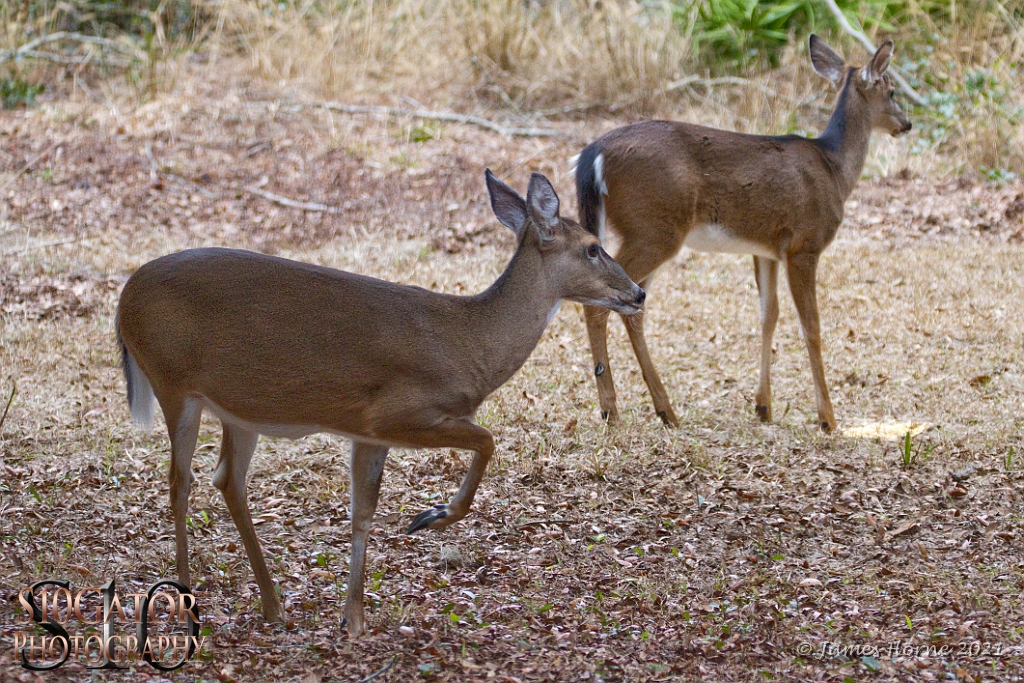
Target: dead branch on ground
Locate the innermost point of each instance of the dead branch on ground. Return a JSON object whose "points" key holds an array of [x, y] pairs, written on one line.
{"points": [[871, 47], [28, 51], [449, 117]]}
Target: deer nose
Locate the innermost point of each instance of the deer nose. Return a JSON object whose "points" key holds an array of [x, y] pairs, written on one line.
{"points": [[641, 297]]}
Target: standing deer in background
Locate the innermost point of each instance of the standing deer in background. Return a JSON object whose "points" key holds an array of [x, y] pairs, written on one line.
{"points": [[286, 349], [661, 185]]}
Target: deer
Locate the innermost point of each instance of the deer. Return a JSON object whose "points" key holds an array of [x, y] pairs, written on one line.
{"points": [[660, 185], [287, 349]]}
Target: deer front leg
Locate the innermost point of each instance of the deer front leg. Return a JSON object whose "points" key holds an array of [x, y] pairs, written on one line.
{"points": [[597, 331], [801, 270], [635, 329], [367, 470], [766, 271], [453, 433]]}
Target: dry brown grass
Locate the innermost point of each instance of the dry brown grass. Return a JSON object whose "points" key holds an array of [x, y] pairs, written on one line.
{"points": [[500, 52], [563, 59], [526, 58], [640, 553]]}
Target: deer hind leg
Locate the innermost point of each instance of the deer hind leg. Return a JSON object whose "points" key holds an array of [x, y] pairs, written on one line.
{"points": [[801, 271], [453, 433], [235, 454], [367, 470], [597, 331], [182, 418], [640, 261], [766, 272]]}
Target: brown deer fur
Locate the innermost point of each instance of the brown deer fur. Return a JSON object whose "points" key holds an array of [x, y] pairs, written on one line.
{"points": [[276, 347], [660, 185]]}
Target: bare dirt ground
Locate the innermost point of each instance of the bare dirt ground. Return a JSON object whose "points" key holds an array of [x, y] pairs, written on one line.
{"points": [[722, 550]]}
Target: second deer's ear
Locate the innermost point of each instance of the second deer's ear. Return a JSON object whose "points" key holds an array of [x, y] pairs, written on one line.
{"points": [[506, 203], [825, 60], [879, 63], [543, 204]]}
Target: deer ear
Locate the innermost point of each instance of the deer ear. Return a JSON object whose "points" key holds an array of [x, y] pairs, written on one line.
{"points": [[879, 63], [543, 204], [508, 206], [825, 60]]}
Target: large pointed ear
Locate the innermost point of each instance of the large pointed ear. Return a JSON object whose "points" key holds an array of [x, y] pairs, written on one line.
{"points": [[543, 205], [879, 63], [508, 206], [825, 60]]}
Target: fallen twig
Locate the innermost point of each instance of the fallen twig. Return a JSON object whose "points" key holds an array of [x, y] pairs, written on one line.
{"points": [[871, 47], [379, 672], [432, 116], [27, 166], [43, 245], [722, 80], [539, 522], [154, 168], [292, 203], [3, 418], [156, 171], [29, 49]]}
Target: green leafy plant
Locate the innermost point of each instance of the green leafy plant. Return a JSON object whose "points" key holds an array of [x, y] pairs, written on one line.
{"points": [[17, 92], [742, 29]]}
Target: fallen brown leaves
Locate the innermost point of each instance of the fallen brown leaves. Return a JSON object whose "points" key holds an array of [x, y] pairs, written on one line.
{"points": [[724, 550]]}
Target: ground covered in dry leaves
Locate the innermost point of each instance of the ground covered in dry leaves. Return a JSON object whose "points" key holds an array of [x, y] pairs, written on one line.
{"points": [[722, 550]]}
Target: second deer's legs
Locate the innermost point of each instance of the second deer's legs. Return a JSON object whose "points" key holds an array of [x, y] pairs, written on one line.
{"points": [[766, 272], [801, 270], [640, 260], [235, 454], [635, 328]]}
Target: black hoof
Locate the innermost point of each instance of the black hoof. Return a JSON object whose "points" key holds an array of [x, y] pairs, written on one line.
{"points": [[665, 419], [425, 518], [604, 414], [344, 623], [825, 427], [762, 412]]}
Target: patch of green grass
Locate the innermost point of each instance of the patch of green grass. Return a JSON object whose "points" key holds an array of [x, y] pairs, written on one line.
{"points": [[17, 92], [910, 456]]}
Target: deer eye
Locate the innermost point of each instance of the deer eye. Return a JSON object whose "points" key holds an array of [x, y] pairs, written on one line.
{"points": [[593, 251]]}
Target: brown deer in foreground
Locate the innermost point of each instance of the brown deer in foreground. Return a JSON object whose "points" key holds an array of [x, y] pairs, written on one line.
{"points": [[286, 349], [660, 185]]}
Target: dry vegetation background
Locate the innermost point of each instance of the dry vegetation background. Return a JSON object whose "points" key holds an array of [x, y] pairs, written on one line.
{"points": [[711, 552]]}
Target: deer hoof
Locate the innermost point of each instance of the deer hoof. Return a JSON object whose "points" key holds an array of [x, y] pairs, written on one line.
{"points": [[763, 413], [355, 627], [668, 417], [826, 426], [428, 518]]}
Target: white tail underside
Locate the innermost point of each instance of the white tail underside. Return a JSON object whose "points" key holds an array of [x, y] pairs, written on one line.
{"points": [[143, 400]]}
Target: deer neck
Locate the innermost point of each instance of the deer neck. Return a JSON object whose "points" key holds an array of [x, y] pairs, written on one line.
{"points": [[509, 318], [846, 137]]}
